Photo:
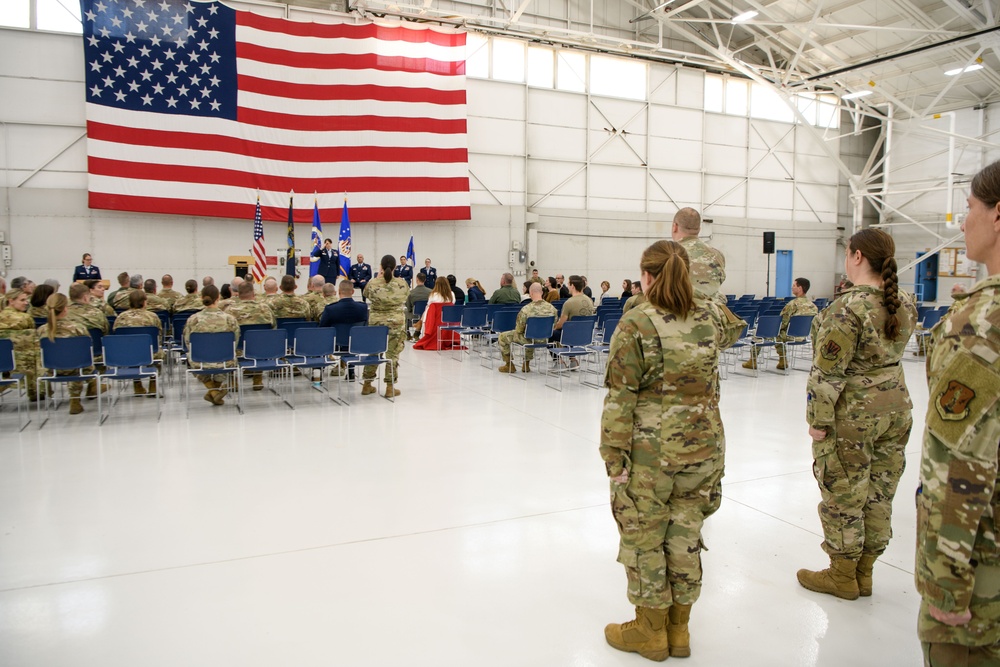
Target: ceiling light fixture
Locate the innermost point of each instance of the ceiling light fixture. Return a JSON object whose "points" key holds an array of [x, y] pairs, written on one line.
{"points": [[745, 16], [963, 70], [854, 96]]}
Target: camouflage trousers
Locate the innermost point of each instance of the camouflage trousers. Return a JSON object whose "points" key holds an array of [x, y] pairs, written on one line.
{"points": [[75, 388], [956, 655], [858, 466], [397, 338], [27, 363], [978, 641], [505, 339], [660, 513]]}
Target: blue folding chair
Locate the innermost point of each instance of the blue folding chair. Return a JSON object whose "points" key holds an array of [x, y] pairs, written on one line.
{"points": [[245, 328], [8, 378], [451, 320], [213, 348], [799, 327], [765, 336], [537, 331], [503, 320], [264, 351], [177, 350], [366, 347], [473, 328], [129, 358], [313, 349], [418, 311], [576, 337], [732, 354], [65, 355], [601, 348]]}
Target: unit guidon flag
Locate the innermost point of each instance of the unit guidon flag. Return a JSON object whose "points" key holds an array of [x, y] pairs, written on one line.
{"points": [[195, 107]]}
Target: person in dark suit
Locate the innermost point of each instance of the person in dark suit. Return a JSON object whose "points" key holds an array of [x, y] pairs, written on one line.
{"points": [[329, 261], [404, 271], [86, 271], [456, 290], [344, 314]]}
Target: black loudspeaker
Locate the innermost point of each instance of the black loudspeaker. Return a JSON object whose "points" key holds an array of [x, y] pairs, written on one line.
{"points": [[768, 243]]}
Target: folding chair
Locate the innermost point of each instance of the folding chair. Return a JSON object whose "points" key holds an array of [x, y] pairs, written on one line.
{"points": [[67, 355], [313, 349], [418, 311], [765, 336], [16, 380], [366, 347], [129, 358], [799, 327], [451, 320], [473, 327], [601, 349], [537, 330], [503, 320], [576, 337], [213, 348], [264, 352], [177, 347], [731, 355]]}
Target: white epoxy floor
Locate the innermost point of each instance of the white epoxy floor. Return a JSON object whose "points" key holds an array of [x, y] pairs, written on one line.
{"points": [[466, 524]]}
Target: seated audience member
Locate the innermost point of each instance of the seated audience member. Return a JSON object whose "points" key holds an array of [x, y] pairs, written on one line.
{"points": [[191, 301], [553, 292], [525, 290], [605, 288], [420, 292], [39, 298], [475, 290], [456, 290], [507, 293], [626, 289], [576, 305], [430, 321], [637, 298], [344, 314], [139, 316]]}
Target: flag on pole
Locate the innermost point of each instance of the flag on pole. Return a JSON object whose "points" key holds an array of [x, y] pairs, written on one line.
{"points": [[317, 241], [410, 256], [345, 242], [193, 106], [259, 269], [290, 257]]}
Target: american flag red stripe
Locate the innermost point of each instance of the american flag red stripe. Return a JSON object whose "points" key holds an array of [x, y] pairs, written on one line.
{"points": [[259, 269], [378, 111]]}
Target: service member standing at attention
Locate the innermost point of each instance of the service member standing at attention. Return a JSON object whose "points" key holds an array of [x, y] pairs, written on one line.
{"points": [[663, 444], [431, 273], [361, 274], [86, 271], [386, 296], [329, 261], [859, 414], [958, 560], [708, 265], [212, 320]]}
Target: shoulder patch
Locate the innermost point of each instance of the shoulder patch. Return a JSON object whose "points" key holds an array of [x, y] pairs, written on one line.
{"points": [[952, 403], [831, 350]]}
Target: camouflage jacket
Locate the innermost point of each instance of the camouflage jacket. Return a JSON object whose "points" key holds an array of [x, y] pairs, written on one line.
{"points": [[386, 301], [957, 502], [156, 303], [170, 296], [316, 304], [210, 320], [138, 318], [290, 305], [188, 302], [120, 300], [251, 312], [662, 379], [633, 301], [20, 328], [104, 306], [534, 309], [89, 316], [854, 366], [65, 328], [801, 305], [708, 267]]}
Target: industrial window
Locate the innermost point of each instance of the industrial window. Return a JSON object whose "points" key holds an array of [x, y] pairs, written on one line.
{"points": [[713, 93], [59, 15], [768, 105], [736, 97], [477, 56], [15, 13], [508, 60], [541, 67], [571, 71], [617, 77]]}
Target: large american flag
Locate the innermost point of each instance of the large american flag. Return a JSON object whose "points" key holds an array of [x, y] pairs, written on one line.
{"points": [[192, 107]]}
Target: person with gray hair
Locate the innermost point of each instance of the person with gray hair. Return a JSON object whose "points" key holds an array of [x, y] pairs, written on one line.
{"points": [[120, 301], [53, 283], [507, 292]]}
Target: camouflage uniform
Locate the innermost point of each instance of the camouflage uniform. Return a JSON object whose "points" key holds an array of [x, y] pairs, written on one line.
{"points": [[958, 502], [155, 303], [540, 308], [90, 316], [857, 394], [211, 320], [67, 328], [801, 305], [316, 305], [38, 311], [138, 317], [251, 312], [188, 302], [170, 296], [20, 328], [120, 301], [103, 306], [385, 308], [633, 301], [708, 268], [661, 421], [290, 305]]}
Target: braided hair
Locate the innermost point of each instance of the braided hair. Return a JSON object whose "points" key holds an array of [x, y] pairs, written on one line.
{"points": [[879, 249]]}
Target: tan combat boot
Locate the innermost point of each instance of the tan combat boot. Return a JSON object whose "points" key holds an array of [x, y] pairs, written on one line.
{"points": [[220, 393], [646, 635], [212, 385], [526, 366], [864, 574], [367, 388], [92, 388], [138, 389], [750, 363], [390, 390], [152, 387], [677, 631], [782, 363], [508, 365], [75, 406], [258, 382], [839, 580]]}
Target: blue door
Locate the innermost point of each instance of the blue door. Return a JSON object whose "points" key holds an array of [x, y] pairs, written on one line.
{"points": [[783, 274], [926, 278]]}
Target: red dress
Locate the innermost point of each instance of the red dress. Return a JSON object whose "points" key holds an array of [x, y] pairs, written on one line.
{"points": [[429, 337]]}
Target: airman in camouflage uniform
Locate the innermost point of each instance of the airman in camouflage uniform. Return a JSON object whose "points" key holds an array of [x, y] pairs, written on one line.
{"points": [[248, 310], [385, 308], [138, 316], [188, 302], [67, 328], [538, 307], [120, 300], [212, 320], [800, 305], [663, 446], [958, 501], [19, 327], [156, 305], [859, 413], [708, 264], [168, 292], [290, 305], [85, 312]]}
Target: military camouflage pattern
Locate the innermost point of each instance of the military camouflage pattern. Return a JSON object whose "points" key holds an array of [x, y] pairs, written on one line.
{"points": [[38, 311], [708, 268], [120, 300], [188, 302], [316, 304], [104, 306], [211, 320], [385, 308], [540, 308], [956, 655], [251, 312], [661, 422], [857, 394], [20, 329], [138, 318], [290, 305], [157, 304], [800, 305], [89, 316], [67, 328], [958, 502], [170, 296], [633, 301]]}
